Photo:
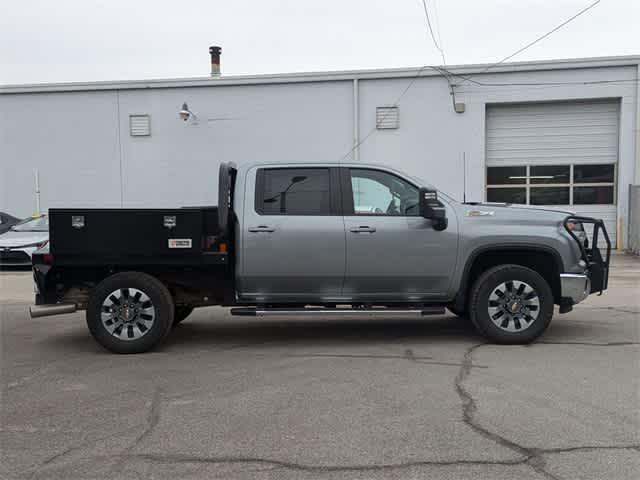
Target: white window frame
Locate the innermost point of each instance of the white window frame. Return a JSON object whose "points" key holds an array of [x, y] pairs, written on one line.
{"points": [[528, 185]]}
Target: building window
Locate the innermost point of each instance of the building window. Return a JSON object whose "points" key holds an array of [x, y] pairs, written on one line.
{"points": [[387, 118], [552, 184]]}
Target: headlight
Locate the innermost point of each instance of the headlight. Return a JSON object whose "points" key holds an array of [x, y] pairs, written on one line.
{"points": [[36, 245]]}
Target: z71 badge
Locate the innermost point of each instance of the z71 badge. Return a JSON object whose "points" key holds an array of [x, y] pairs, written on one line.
{"points": [[180, 243]]}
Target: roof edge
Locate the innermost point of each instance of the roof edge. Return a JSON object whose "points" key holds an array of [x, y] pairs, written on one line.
{"points": [[300, 77]]}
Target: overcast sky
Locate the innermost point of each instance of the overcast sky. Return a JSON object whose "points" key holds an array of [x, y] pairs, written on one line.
{"points": [[88, 40]]}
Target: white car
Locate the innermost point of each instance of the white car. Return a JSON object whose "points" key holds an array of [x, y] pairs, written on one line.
{"points": [[18, 244]]}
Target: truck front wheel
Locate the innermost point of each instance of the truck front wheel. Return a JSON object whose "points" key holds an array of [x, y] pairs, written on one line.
{"points": [[130, 312], [511, 304]]}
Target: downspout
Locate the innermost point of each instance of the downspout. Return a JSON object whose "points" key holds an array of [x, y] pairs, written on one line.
{"points": [[637, 129], [636, 166], [356, 122]]}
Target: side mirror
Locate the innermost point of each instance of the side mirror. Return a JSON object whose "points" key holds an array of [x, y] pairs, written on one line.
{"points": [[432, 209]]}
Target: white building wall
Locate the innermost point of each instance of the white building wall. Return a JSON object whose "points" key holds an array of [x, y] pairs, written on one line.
{"points": [[80, 140], [178, 164], [71, 138]]}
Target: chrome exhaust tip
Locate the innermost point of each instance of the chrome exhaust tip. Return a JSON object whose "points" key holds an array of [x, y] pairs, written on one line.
{"points": [[36, 311]]}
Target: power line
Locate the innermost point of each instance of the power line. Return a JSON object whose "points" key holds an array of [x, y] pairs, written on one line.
{"points": [[444, 71], [542, 37], [433, 37], [435, 11]]}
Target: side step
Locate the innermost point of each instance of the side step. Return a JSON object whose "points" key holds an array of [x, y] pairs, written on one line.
{"points": [[37, 311], [369, 312]]}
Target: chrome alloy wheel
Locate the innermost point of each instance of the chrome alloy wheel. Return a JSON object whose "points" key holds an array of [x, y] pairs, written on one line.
{"points": [[127, 313], [514, 306]]}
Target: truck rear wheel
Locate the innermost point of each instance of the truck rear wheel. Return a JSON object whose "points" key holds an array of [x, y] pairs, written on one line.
{"points": [[511, 304], [130, 312]]}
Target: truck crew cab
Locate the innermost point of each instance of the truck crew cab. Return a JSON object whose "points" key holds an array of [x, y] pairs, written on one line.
{"points": [[309, 239]]}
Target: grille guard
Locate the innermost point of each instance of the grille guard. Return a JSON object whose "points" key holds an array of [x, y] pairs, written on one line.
{"points": [[597, 265]]}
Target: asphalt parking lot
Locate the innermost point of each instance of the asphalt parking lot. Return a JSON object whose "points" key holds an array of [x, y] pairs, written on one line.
{"points": [[232, 397]]}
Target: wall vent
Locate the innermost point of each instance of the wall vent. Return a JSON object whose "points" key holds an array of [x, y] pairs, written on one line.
{"points": [[387, 117], [139, 125]]}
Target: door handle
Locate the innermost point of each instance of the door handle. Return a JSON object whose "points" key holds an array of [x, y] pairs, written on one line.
{"points": [[262, 228], [362, 229]]}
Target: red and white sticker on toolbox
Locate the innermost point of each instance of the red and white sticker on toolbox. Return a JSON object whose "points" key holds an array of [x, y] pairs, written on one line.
{"points": [[180, 243]]}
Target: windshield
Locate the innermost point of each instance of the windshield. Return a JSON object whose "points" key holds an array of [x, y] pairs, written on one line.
{"points": [[39, 224]]}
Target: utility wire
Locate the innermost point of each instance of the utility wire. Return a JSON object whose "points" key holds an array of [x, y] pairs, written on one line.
{"points": [[433, 37], [542, 37], [435, 11], [448, 74], [444, 71], [395, 104]]}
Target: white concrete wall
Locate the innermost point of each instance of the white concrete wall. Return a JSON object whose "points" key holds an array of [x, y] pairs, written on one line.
{"points": [[80, 141]]}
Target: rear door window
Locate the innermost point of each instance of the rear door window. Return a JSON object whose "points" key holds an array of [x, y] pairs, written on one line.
{"points": [[293, 191]]}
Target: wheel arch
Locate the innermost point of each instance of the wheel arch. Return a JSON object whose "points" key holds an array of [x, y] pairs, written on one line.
{"points": [[541, 258]]}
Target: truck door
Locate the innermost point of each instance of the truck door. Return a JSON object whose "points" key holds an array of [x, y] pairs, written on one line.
{"points": [[293, 240], [392, 253]]}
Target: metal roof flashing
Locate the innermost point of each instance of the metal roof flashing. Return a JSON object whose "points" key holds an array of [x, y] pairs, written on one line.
{"points": [[303, 77]]}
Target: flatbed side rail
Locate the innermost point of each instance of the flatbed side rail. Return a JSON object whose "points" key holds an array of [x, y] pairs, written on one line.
{"points": [[590, 253]]}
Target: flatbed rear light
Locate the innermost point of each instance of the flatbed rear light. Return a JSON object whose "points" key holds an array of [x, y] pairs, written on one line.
{"points": [[48, 258]]}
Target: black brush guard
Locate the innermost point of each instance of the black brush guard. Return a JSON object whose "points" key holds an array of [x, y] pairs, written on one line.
{"points": [[597, 265]]}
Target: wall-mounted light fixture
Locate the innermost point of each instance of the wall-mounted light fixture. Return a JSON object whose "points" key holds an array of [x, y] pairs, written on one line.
{"points": [[186, 114]]}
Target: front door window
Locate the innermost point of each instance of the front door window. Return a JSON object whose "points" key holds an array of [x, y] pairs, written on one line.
{"points": [[382, 193]]}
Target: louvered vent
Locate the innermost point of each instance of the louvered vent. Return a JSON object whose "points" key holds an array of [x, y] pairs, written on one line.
{"points": [[387, 117], [139, 125]]}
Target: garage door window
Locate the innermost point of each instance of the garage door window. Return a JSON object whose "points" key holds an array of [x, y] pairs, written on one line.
{"points": [[552, 184]]}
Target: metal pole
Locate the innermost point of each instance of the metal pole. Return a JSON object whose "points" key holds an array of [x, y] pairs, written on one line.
{"points": [[356, 122], [464, 177], [37, 178]]}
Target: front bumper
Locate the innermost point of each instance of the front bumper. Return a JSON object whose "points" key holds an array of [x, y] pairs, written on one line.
{"points": [[575, 286], [597, 264], [13, 257]]}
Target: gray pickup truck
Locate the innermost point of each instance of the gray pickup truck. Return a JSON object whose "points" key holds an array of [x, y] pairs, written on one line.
{"points": [[318, 239]]}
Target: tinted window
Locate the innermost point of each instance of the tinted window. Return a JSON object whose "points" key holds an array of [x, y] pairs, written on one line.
{"points": [[550, 174], [506, 175], [593, 195], [549, 196], [382, 193], [507, 195], [593, 173], [294, 191]]}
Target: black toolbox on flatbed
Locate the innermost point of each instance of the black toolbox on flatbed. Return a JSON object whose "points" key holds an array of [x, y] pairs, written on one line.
{"points": [[130, 235]]}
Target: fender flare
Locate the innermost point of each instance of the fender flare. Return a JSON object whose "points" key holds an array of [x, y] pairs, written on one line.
{"points": [[460, 299]]}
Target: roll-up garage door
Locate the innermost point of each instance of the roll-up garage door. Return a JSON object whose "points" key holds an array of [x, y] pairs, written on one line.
{"points": [[561, 154]]}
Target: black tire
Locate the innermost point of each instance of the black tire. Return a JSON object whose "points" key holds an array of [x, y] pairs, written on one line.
{"points": [[180, 313], [162, 319], [489, 284]]}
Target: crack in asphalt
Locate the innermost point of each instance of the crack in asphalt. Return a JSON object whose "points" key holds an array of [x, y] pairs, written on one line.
{"points": [[469, 407], [533, 457], [77, 447], [408, 355], [586, 448], [153, 419]]}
